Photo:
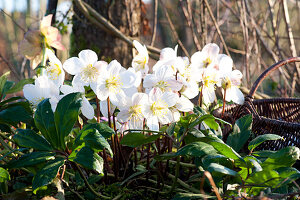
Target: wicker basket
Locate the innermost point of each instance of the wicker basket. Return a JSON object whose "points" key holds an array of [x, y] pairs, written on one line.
{"points": [[279, 116]]}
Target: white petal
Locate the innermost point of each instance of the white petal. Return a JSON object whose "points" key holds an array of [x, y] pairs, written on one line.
{"points": [[236, 77], [174, 84], [30, 92], [53, 102], [225, 64], [234, 94], [150, 80], [102, 92], [191, 91], [141, 49], [176, 116], [103, 108], [167, 53], [114, 68], [118, 99], [88, 56], [164, 72], [152, 124], [170, 98], [87, 109], [184, 104], [139, 99], [67, 89], [73, 65], [208, 95], [123, 116], [127, 79], [212, 50], [166, 118]]}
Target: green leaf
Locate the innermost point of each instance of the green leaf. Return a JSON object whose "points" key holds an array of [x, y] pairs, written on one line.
{"points": [[44, 121], [171, 128], [285, 157], [14, 114], [288, 173], [4, 85], [66, 115], [214, 167], [31, 159], [4, 175], [225, 150], [9, 100], [46, 175], [136, 139], [219, 159], [207, 118], [28, 138], [93, 139], [262, 138], [196, 149], [19, 86], [265, 178], [241, 133], [103, 129], [86, 157], [211, 123]]}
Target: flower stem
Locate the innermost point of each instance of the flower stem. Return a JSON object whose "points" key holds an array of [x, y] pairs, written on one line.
{"points": [[98, 110], [200, 96], [112, 138], [224, 102]]}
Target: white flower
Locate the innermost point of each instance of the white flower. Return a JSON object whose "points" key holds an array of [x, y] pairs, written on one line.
{"points": [[184, 105], [230, 83], [140, 62], [162, 79], [43, 88], [168, 56], [112, 82], [207, 58], [86, 68], [54, 70], [86, 109], [157, 109], [104, 108], [209, 79], [132, 111]]}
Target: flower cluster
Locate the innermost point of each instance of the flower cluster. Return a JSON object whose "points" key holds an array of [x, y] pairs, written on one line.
{"points": [[143, 98]]}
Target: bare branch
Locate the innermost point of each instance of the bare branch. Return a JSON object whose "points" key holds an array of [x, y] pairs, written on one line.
{"points": [[154, 23], [174, 30], [217, 27]]}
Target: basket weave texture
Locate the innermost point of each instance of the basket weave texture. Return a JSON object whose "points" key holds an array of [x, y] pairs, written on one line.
{"points": [[279, 116]]}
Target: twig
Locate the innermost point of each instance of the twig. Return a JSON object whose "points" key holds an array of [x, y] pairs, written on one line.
{"points": [[104, 24], [189, 18], [217, 27], [212, 183], [174, 30], [291, 37], [11, 67], [154, 23], [13, 20]]}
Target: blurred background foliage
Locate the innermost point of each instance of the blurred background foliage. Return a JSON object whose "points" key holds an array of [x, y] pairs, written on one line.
{"points": [[256, 34]]}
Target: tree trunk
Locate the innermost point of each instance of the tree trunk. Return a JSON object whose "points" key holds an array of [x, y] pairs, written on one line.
{"points": [[124, 14]]}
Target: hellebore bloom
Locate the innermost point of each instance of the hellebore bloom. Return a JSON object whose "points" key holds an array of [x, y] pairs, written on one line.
{"points": [[131, 112], [85, 67], [53, 69], [207, 58], [157, 109], [140, 62], [36, 40], [43, 88], [230, 84], [86, 108], [112, 82], [163, 79]]}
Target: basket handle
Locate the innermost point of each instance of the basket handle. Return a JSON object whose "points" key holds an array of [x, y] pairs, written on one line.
{"points": [[268, 71]]}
